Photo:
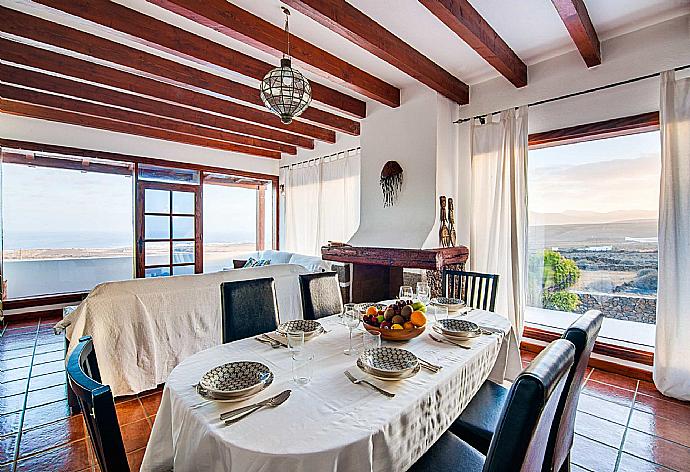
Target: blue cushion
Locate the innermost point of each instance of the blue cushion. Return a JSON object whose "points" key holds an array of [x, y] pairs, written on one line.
{"points": [[478, 421], [450, 454]]}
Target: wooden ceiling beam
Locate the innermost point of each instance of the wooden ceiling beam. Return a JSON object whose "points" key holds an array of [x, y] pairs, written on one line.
{"points": [[171, 39], [578, 23], [350, 23], [239, 24], [263, 137], [25, 102], [173, 73], [46, 60], [461, 17]]}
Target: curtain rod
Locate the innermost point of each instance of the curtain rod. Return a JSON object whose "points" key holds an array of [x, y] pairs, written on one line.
{"points": [[319, 158], [575, 94]]}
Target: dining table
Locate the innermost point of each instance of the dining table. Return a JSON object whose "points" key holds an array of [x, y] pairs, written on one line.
{"points": [[328, 424]]}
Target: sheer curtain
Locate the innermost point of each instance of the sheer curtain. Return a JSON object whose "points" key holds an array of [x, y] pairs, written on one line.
{"points": [[498, 230], [672, 353], [322, 201]]}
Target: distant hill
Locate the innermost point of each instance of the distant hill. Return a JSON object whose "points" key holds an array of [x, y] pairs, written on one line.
{"points": [[590, 217], [592, 234]]}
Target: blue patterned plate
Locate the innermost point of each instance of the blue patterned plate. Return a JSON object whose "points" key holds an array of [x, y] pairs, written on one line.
{"points": [[236, 379], [389, 360]]}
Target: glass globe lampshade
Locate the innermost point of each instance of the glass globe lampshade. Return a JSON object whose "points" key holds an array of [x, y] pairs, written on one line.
{"points": [[285, 91]]}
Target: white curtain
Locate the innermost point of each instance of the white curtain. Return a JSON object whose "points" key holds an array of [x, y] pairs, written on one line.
{"points": [[672, 353], [322, 201], [498, 230]]}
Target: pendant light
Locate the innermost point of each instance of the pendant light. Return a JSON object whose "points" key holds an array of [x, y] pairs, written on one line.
{"points": [[284, 90]]}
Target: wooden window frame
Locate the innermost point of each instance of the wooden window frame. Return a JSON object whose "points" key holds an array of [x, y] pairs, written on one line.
{"points": [[68, 151], [623, 126]]}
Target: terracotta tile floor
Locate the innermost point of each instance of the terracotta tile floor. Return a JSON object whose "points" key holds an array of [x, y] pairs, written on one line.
{"points": [[622, 425]]}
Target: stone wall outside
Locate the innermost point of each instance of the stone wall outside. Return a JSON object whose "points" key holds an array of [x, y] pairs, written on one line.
{"points": [[621, 307]]}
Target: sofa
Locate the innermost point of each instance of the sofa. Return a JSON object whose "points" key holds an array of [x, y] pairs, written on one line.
{"points": [[311, 263], [143, 328]]}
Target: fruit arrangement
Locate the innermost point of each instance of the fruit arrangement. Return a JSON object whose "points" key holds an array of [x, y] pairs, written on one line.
{"points": [[403, 314]]}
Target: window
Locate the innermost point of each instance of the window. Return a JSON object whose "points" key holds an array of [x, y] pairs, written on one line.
{"points": [[71, 222], [593, 234], [67, 223], [238, 218]]}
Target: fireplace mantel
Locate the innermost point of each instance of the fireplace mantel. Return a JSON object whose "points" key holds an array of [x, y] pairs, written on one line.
{"points": [[430, 259], [377, 272]]}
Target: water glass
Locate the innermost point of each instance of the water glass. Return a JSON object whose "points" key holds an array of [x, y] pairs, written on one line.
{"points": [[437, 312], [295, 341], [371, 340], [302, 367], [423, 292], [406, 292], [351, 320]]}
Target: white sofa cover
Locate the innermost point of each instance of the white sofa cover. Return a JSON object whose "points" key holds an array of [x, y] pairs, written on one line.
{"points": [[311, 263], [143, 328]]}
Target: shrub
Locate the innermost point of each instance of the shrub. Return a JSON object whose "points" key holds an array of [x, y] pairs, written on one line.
{"points": [[561, 301], [646, 282], [558, 274]]}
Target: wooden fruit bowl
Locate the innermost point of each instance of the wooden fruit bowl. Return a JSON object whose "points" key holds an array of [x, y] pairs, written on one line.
{"points": [[396, 334]]}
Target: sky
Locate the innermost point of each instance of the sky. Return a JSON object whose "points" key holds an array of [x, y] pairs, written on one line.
{"points": [[614, 174], [58, 208]]}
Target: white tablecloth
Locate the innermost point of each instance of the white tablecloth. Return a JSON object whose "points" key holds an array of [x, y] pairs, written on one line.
{"points": [[329, 424]]}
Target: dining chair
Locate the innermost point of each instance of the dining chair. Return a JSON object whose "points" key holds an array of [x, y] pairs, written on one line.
{"points": [[521, 437], [249, 308], [97, 404], [321, 295], [476, 289], [478, 422]]}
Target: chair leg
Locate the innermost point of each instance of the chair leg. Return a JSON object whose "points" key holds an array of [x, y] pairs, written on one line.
{"points": [[566, 464]]}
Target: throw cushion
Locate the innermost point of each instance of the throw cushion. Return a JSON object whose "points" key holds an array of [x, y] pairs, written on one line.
{"points": [[251, 262]]}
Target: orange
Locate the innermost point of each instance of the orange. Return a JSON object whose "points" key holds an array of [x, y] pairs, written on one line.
{"points": [[371, 310], [417, 318], [408, 325]]}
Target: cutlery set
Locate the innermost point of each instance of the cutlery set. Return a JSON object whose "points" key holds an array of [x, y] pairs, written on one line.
{"points": [[233, 416]]}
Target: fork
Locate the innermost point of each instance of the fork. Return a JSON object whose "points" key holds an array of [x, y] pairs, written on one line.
{"points": [[274, 345], [438, 340], [428, 365], [356, 381], [273, 402]]}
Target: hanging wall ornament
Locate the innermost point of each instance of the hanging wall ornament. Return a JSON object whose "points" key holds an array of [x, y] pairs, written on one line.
{"points": [[391, 182]]}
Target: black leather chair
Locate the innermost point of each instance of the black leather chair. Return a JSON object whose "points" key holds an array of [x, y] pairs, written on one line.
{"points": [[478, 422], [477, 290], [522, 435], [321, 295], [96, 401], [249, 308]]}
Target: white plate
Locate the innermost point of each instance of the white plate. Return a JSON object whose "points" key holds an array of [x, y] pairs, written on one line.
{"points": [[373, 373]]}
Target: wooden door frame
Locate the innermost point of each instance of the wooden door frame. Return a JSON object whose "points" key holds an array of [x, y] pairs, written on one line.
{"points": [[140, 187]]}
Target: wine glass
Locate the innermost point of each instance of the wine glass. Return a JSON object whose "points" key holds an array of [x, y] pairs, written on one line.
{"points": [[347, 307], [351, 320], [405, 293], [423, 292]]}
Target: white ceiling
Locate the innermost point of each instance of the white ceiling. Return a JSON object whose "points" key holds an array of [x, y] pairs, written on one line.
{"points": [[532, 28]]}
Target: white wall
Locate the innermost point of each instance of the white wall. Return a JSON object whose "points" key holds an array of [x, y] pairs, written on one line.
{"points": [[48, 132], [407, 134]]}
